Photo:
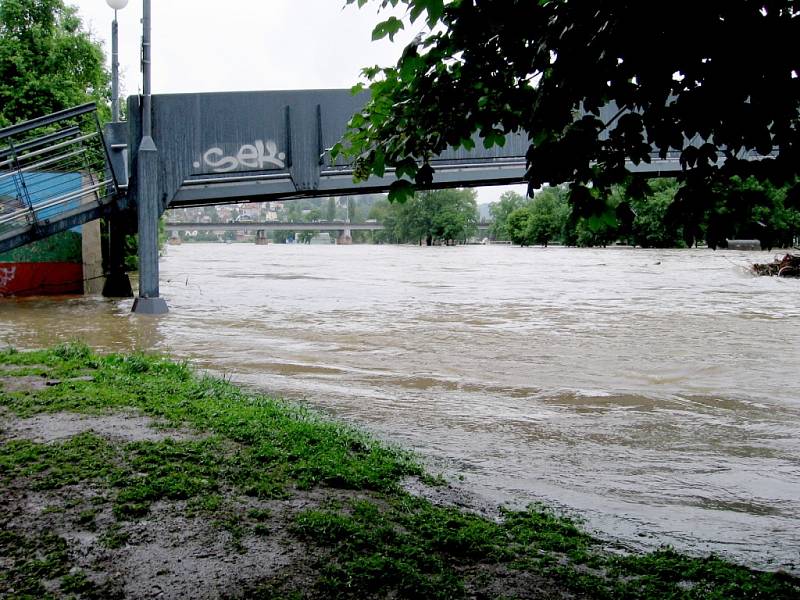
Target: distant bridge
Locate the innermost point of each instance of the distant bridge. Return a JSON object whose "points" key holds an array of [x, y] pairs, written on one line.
{"points": [[275, 226], [247, 227]]}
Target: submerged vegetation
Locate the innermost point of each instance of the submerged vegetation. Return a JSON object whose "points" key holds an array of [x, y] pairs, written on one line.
{"points": [[321, 507]]}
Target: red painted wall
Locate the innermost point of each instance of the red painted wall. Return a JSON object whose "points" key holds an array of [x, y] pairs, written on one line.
{"points": [[34, 279]]}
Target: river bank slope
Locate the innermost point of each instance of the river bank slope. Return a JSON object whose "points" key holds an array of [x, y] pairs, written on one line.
{"points": [[132, 476]]}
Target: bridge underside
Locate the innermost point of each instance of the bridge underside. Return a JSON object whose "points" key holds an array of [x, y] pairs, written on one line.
{"points": [[335, 182], [339, 182]]}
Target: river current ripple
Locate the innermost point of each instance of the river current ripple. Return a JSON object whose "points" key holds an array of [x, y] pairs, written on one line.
{"points": [[653, 393]]}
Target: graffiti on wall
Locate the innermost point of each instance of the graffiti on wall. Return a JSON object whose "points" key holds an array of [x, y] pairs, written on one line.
{"points": [[7, 275], [258, 155]]}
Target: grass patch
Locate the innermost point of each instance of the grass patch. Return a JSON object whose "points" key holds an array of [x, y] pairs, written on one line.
{"points": [[33, 560], [85, 457], [114, 537], [281, 443], [419, 550], [30, 561], [167, 470], [86, 519]]}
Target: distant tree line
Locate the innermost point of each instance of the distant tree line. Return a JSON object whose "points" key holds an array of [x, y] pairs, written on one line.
{"points": [[743, 209]]}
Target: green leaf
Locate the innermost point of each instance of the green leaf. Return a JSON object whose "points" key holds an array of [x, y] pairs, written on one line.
{"points": [[434, 8], [598, 221], [406, 167], [494, 138], [410, 66], [357, 121], [424, 175], [401, 191], [388, 27], [378, 163], [336, 150]]}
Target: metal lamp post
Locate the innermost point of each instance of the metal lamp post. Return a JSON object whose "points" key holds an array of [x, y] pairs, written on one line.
{"points": [[117, 283], [116, 5]]}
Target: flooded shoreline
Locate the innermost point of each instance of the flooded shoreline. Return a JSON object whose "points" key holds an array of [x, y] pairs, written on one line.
{"points": [[651, 392]]}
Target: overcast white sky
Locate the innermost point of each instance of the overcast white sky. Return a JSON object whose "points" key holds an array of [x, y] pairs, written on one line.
{"points": [[233, 45]]}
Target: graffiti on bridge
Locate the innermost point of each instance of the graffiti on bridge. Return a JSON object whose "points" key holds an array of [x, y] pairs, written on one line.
{"points": [[249, 156]]}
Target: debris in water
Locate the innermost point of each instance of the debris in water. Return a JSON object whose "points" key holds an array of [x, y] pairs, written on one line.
{"points": [[788, 266]]}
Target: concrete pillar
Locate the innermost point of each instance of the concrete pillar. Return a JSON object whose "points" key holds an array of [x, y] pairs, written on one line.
{"points": [[261, 238], [148, 302], [147, 201], [92, 253], [118, 284], [345, 239]]}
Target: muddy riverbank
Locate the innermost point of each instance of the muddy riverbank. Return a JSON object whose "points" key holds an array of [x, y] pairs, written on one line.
{"points": [[126, 476]]}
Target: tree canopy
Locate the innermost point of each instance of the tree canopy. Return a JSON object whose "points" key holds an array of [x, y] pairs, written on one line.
{"points": [[447, 216], [746, 209], [48, 62], [500, 211], [714, 81]]}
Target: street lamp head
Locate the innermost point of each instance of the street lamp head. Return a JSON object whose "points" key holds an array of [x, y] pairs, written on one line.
{"points": [[117, 4]]}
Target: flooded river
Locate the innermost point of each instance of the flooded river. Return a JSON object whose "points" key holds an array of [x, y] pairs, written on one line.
{"points": [[652, 392]]}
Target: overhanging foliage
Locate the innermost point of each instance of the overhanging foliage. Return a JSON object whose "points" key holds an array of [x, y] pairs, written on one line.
{"points": [[716, 81]]}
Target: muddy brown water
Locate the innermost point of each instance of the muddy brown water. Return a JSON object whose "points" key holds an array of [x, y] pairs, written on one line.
{"points": [[654, 393]]}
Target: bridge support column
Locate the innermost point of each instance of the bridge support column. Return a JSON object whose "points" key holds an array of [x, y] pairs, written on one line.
{"points": [[92, 255], [118, 284], [345, 238], [148, 302], [147, 201], [261, 238]]}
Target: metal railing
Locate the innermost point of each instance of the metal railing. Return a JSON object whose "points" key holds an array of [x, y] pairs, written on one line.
{"points": [[52, 167]]}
